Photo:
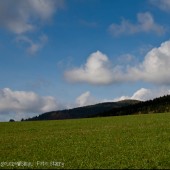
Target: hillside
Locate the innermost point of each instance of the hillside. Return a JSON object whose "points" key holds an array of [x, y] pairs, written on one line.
{"points": [[83, 112], [157, 105], [124, 107]]}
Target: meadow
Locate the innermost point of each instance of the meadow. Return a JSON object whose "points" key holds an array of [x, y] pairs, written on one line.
{"points": [[134, 141]]}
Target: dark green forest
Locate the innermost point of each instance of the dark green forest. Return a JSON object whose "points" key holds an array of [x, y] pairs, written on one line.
{"points": [[157, 105]]}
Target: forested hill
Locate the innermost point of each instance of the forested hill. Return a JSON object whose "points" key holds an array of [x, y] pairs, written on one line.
{"points": [[157, 105], [83, 112]]}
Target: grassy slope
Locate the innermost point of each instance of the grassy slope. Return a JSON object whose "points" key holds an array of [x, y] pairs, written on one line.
{"points": [[138, 141]]}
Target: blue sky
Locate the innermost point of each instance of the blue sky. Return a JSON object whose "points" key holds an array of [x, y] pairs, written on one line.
{"points": [[59, 54]]}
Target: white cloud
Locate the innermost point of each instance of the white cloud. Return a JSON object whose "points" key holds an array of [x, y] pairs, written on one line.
{"points": [[145, 23], [161, 4], [155, 67], [85, 99], [20, 16], [33, 47], [144, 94], [97, 70], [22, 103], [24, 16]]}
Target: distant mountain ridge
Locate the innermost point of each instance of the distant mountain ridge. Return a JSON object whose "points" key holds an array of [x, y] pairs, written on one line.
{"points": [[157, 105], [124, 107], [83, 112]]}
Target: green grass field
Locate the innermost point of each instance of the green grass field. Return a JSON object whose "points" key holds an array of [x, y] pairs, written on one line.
{"points": [[139, 141]]}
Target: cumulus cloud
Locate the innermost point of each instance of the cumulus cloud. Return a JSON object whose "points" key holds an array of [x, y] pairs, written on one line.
{"points": [[22, 102], [95, 71], [144, 94], [20, 16], [155, 67], [145, 23], [85, 99], [98, 70], [161, 4]]}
